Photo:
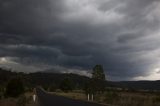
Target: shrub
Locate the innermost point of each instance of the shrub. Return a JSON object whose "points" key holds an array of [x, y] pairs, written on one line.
{"points": [[156, 99], [45, 87], [1, 95], [22, 100], [66, 85], [111, 97], [14, 88], [52, 88]]}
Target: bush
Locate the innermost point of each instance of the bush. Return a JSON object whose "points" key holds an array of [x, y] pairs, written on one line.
{"points": [[156, 99], [66, 85], [58, 90], [111, 97], [1, 95], [14, 88], [52, 88], [22, 100], [1, 92], [45, 87]]}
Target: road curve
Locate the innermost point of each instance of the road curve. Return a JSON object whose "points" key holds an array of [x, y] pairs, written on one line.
{"points": [[46, 99]]}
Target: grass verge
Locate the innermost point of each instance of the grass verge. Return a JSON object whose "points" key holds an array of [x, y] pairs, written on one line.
{"points": [[118, 98]]}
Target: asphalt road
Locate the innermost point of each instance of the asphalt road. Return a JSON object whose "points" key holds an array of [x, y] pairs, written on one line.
{"points": [[46, 99]]}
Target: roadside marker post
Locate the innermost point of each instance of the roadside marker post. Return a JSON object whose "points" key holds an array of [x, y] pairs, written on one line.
{"points": [[34, 98], [34, 95], [92, 97], [88, 97]]}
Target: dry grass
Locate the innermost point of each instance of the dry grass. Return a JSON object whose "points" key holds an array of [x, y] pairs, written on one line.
{"points": [[24, 100], [119, 98], [129, 99], [73, 95], [8, 102]]}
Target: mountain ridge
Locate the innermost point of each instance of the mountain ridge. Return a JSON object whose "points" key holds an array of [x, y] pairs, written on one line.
{"points": [[46, 79]]}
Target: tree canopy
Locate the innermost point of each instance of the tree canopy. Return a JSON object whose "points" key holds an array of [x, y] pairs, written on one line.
{"points": [[97, 82], [66, 85], [98, 73]]}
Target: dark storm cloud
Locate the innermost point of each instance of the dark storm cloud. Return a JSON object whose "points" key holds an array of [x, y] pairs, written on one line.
{"points": [[119, 34], [28, 16]]}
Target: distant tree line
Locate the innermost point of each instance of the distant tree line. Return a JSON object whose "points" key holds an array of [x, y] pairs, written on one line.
{"points": [[9, 81], [16, 84]]}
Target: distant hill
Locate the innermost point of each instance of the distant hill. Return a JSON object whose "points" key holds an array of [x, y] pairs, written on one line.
{"points": [[137, 85], [43, 79], [48, 79]]}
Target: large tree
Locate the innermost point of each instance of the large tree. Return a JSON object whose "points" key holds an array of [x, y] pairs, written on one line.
{"points": [[98, 79], [98, 73]]}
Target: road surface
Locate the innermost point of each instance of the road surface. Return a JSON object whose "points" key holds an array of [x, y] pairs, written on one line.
{"points": [[46, 99]]}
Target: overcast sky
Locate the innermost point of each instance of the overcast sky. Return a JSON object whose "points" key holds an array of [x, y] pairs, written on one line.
{"points": [[75, 35]]}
